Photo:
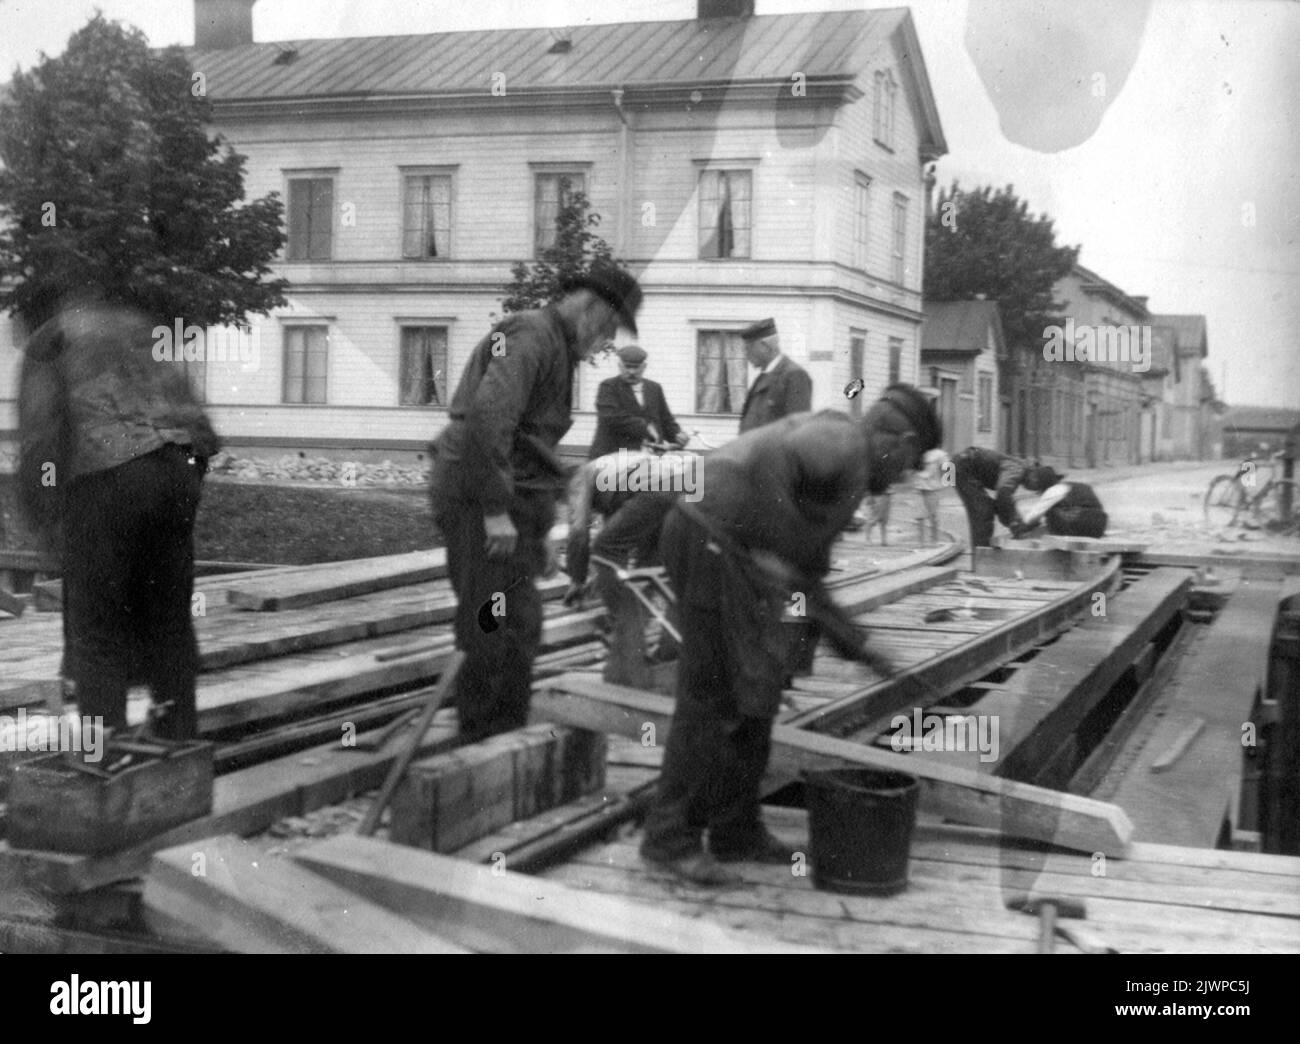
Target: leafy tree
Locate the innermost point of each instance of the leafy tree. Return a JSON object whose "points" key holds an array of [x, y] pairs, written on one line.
{"points": [[110, 180], [575, 250], [986, 242]]}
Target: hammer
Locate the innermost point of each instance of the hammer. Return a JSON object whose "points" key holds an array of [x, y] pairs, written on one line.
{"points": [[1047, 909]]}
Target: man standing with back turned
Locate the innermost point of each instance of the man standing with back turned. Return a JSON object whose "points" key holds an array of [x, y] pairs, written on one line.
{"points": [[774, 501], [496, 478]]}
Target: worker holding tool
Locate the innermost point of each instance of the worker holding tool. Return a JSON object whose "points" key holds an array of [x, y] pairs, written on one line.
{"points": [[978, 471], [1068, 508], [774, 501], [631, 410], [495, 480]]}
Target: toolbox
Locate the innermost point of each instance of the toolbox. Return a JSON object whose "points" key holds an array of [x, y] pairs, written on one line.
{"points": [[139, 788]]}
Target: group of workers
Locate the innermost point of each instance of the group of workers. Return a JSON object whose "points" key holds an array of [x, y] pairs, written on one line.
{"points": [[129, 443]]}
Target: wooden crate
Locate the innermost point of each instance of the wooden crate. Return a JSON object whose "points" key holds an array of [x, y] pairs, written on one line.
{"points": [[55, 807], [449, 800]]}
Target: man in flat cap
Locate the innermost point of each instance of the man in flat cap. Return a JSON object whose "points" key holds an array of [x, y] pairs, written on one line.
{"points": [[496, 479], [781, 388], [774, 502], [631, 410]]}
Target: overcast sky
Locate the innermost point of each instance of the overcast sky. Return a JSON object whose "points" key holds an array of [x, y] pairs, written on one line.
{"points": [[1176, 170]]}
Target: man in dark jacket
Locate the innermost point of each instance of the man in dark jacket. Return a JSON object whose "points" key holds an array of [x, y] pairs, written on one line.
{"points": [[495, 481], [631, 410], [781, 388], [1068, 508], [976, 473], [774, 501], [114, 449]]}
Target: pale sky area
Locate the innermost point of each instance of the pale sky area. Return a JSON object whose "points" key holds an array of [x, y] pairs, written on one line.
{"points": [[1186, 192]]}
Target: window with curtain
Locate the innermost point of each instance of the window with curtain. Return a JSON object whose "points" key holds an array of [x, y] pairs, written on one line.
{"points": [[900, 238], [725, 213], [895, 359], [552, 190], [311, 219], [861, 218], [426, 216], [424, 366], [305, 363], [721, 374]]}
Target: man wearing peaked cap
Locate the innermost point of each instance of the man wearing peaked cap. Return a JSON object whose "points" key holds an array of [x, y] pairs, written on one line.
{"points": [[781, 388], [773, 503], [496, 479], [631, 410]]}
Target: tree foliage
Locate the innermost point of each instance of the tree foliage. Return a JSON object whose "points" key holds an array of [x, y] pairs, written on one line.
{"points": [[576, 248], [110, 181], [986, 242]]}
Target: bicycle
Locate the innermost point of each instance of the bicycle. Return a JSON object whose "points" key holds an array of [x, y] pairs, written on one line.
{"points": [[1253, 500]]}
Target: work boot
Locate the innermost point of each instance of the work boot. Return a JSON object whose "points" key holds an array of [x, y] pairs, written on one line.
{"points": [[767, 849], [698, 868]]}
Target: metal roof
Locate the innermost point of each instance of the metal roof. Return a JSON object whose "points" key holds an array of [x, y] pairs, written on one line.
{"points": [[959, 326], [714, 50]]}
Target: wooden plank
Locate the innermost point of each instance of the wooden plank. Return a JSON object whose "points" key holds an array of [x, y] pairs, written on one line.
{"points": [[498, 911], [1176, 749], [1218, 680], [1251, 564], [938, 676], [246, 900], [1017, 809], [335, 580], [1057, 689], [11, 603]]}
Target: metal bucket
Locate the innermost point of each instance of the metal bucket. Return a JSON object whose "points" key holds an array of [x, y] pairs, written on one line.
{"points": [[860, 829]]}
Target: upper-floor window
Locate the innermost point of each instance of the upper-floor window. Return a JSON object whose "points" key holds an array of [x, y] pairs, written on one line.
{"points": [[553, 189], [900, 238], [861, 218], [721, 376], [306, 357], [424, 366], [725, 213], [882, 123], [426, 215], [311, 218]]}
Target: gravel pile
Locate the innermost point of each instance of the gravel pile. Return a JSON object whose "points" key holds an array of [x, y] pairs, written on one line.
{"points": [[293, 468]]}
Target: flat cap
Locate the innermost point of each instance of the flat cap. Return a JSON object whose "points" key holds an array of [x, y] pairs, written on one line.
{"points": [[760, 329], [919, 411], [632, 354]]}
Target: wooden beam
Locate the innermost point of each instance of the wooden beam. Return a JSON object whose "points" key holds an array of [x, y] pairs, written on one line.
{"points": [[1016, 809], [335, 580], [498, 911], [246, 900], [941, 675]]}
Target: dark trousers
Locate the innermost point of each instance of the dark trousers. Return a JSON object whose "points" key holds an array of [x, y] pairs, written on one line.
{"points": [[715, 755], [498, 609], [128, 579], [980, 507]]}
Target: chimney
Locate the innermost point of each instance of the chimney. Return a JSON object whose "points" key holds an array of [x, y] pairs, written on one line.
{"points": [[219, 24], [725, 8]]}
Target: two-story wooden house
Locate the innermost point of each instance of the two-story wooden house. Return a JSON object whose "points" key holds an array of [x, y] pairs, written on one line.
{"points": [[961, 346], [742, 166]]}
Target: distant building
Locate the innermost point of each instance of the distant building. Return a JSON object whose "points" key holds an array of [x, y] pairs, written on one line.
{"points": [[1255, 431], [961, 347], [1180, 428], [743, 166]]}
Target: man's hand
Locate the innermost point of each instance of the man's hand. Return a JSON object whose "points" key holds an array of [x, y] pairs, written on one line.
{"points": [[681, 438], [552, 564], [501, 536], [574, 595]]}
